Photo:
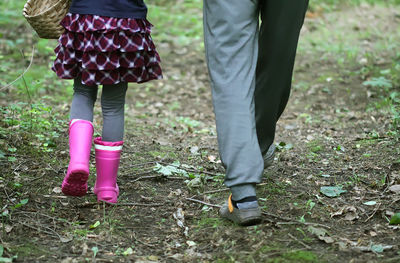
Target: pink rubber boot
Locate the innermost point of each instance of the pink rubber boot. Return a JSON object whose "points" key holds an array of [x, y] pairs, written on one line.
{"points": [[108, 155], [80, 142]]}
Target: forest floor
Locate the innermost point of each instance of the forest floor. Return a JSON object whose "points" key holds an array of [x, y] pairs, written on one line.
{"points": [[337, 131]]}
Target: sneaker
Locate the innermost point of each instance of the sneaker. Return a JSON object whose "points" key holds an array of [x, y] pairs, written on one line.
{"points": [[269, 156], [243, 217]]}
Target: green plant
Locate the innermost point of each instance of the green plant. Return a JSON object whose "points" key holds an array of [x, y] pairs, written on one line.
{"points": [[37, 123]]}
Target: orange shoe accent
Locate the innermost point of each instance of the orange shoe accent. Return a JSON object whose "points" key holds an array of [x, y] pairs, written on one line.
{"points": [[230, 205]]}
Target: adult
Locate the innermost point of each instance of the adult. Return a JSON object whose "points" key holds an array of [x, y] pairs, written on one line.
{"points": [[250, 67]]}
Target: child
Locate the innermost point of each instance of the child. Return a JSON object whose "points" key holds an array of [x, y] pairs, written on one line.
{"points": [[106, 42]]}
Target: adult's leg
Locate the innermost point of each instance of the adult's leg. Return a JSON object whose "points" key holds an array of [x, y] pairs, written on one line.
{"points": [[113, 104], [231, 33], [279, 33], [83, 101]]}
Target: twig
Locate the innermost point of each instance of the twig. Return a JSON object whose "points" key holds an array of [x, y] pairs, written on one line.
{"points": [[56, 196], [158, 176], [41, 214], [300, 223], [139, 164], [218, 206], [35, 228], [20, 76], [276, 216], [36, 178], [141, 242], [8, 197], [19, 165], [119, 204], [144, 178], [204, 203], [396, 200], [189, 169], [175, 178], [227, 189], [216, 191], [299, 241], [139, 204], [375, 210]]}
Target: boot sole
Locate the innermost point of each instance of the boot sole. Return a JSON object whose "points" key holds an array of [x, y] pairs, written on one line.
{"points": [[75, 184], [250, 221]]}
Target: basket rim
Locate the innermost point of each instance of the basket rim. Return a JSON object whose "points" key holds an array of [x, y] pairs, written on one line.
{"points": [[42, 13]]}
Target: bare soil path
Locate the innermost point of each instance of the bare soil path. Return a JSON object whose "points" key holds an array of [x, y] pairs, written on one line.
{"points": [[332, 134]]}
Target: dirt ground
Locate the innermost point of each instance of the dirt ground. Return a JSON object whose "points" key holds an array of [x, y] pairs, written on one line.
{"points": [[171, 181]]}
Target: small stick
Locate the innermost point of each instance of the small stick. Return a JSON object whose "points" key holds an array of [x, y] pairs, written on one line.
{"points": [[216, 191], [37, 229], [119, 204], [204, 203], [375, 210], [141, 242], [276, 216], [158, 176], [299, 241], [191, 170], [227, 189], [138, 204], [300, 223], [145, 177], [140, 164], [20, 76], [218, 206], [396, 200]]}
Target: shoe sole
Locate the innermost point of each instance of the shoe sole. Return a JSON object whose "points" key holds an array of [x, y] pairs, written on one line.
{"points": [[248, 221], [75, 184]]}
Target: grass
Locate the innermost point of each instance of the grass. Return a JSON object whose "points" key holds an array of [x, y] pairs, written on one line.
{"points": [[177, 22]]}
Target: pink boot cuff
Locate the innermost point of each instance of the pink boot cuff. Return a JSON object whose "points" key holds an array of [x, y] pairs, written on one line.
{"points": [[107, 146]]}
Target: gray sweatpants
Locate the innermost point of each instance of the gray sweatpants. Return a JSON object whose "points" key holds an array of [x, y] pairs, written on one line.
{"points": [[112, 105], [251, 69]]}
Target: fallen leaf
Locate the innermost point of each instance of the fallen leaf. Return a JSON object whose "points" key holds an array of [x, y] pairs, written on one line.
{"points": [[327, 240], [370, 203], [194, 150], [376, 248], [395, 188], [180, 221], [349, 211], [332, 191], [191, 243], [321, 233], [66, 239], [57, 190], [395, 220], [317, 231], [153, 258], [128, 251], [212, 158]]}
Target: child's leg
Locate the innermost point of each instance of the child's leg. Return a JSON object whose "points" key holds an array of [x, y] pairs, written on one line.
{"points": [[80, 139], [113, 104], [83, 101], [108, 147]]}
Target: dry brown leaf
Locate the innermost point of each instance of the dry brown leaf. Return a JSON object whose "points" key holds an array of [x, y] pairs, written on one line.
{"points": [[350, 213], [395, 188]]}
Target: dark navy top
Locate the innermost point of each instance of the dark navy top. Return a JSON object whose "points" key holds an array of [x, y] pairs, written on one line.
{"points": [[111, 8]]}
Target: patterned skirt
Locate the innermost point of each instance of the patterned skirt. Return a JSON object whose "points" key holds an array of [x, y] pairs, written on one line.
{"points": [[105, 50]]}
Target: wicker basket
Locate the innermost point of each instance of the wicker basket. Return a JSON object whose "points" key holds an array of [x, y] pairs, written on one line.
{"points": [[45, 16]]}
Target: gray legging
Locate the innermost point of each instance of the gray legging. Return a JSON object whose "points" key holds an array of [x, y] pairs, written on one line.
{"points": [[112, 105]]}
